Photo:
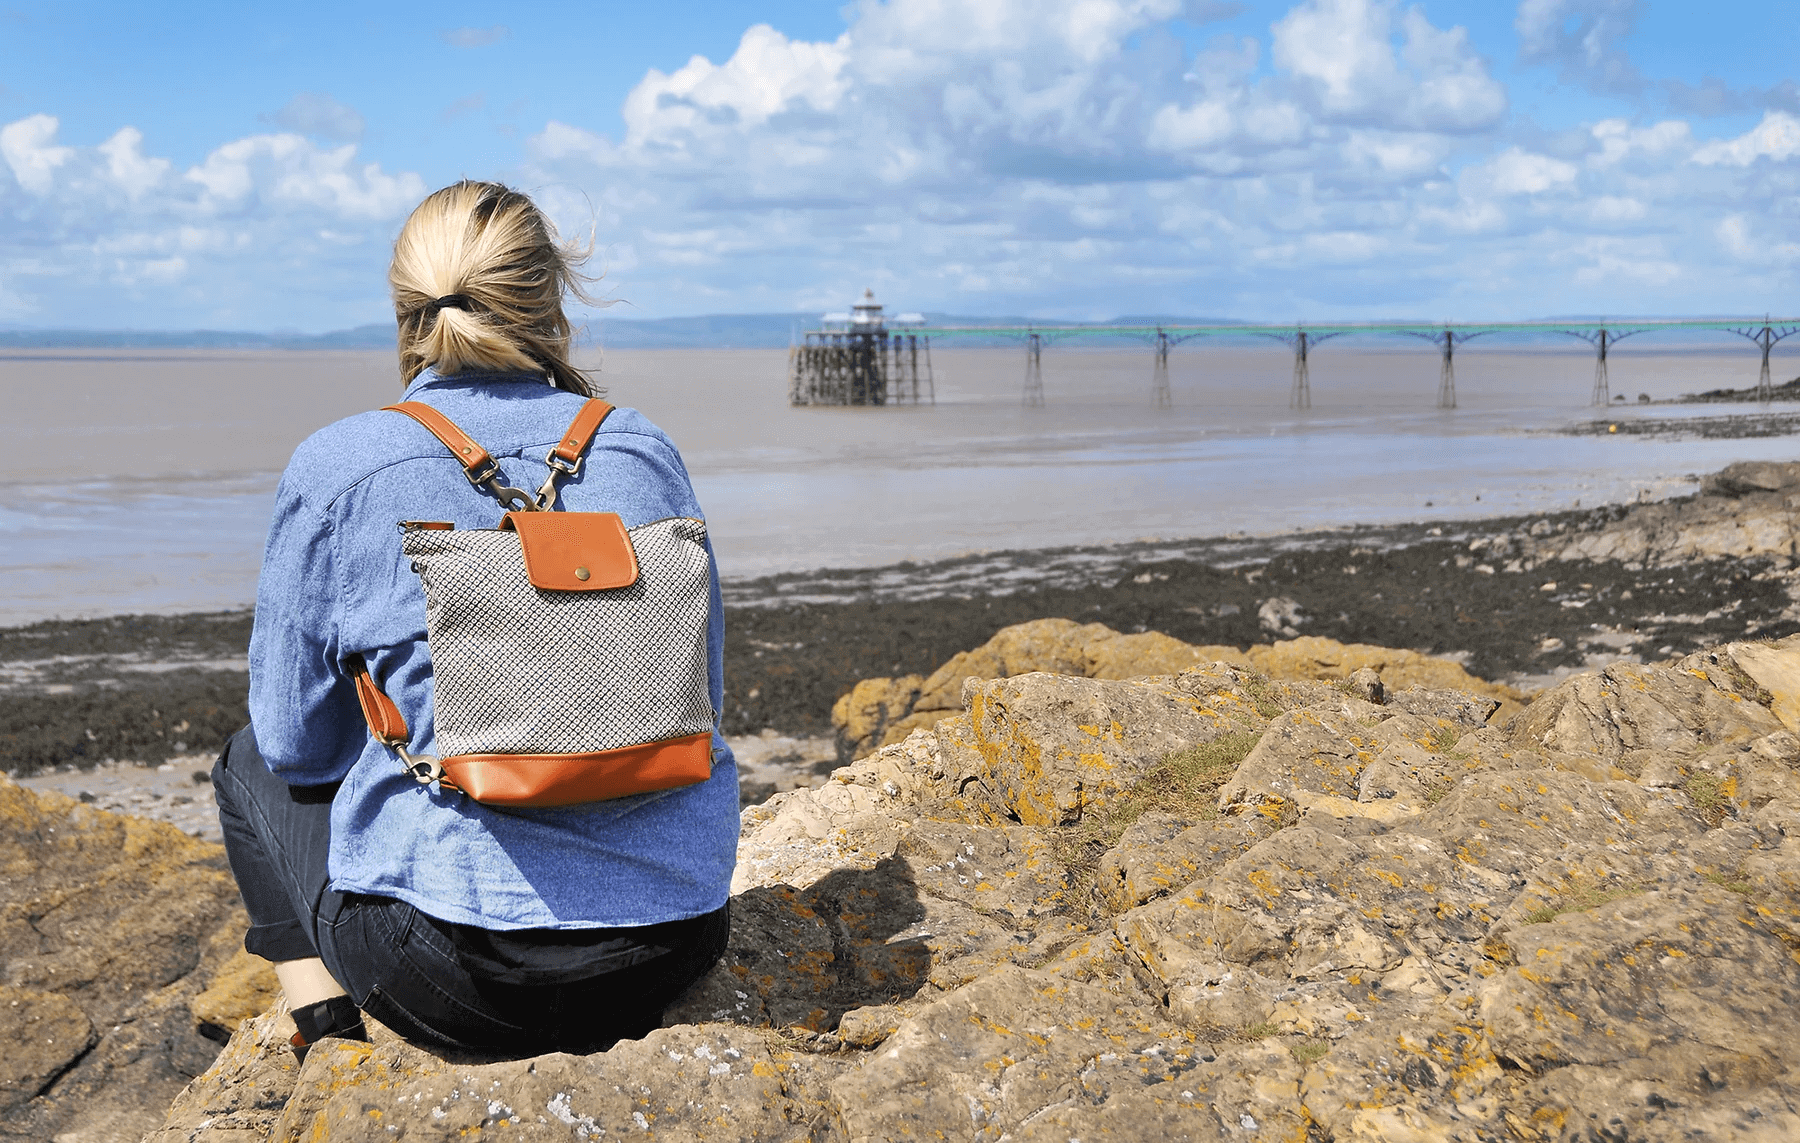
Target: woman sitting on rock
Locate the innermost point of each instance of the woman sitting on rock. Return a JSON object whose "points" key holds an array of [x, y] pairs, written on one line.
{"points": [[458, 924]]}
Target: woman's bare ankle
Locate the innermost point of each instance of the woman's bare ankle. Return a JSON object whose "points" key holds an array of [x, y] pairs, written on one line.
{"points": [[306, 982]]}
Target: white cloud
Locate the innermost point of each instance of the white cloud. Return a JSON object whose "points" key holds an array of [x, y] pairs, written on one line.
{"points": [[230, 241], [1615, 208], [1612, 262], [315, 113], [1737, 234], [125, 162], [1518, 172], [1344, 51], [1619, 142], [1068, 156], [767, 75], [1383, 164], [29, 147], [1582, 38], [1188, 128], [1777, 138], [288, 170]]}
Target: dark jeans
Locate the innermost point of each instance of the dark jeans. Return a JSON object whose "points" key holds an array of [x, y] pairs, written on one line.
{"points": [[442, 984]]}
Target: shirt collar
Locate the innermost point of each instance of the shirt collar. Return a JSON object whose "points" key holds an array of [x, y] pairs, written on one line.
{"points": [[430, 378]]}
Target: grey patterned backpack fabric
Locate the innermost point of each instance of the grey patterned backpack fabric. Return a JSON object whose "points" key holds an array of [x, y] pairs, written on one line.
{"points": [[523, 671], [569, 655]]}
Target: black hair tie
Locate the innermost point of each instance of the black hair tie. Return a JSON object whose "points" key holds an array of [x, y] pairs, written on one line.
{"points": [[449, 302]]}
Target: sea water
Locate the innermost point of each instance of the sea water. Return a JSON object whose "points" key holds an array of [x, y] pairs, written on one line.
{"points": [[143, 481]]}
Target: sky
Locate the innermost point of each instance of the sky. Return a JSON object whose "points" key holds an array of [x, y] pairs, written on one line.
{"points": [[231, 166]]}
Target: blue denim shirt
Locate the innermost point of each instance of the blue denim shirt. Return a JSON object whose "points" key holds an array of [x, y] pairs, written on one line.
{"points": [[335, 585]]}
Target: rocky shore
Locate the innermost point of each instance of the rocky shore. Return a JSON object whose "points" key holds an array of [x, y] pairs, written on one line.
{"points": [[1785, 391], [1735, 426], [1522, 601], [1206, 905]]}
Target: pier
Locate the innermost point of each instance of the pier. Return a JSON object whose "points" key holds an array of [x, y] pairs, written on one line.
{"points": [[856, 359], [1763, 332]]}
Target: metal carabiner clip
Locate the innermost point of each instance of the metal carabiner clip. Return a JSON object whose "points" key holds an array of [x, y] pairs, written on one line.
{"points": [[424, 768], [546, 494], [512, 499]]}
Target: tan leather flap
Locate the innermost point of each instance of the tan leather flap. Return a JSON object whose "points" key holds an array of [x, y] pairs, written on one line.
{"points": [[575, 551]]}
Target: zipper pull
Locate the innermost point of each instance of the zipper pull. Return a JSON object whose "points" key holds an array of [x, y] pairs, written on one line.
{"points": [[427, 525]]}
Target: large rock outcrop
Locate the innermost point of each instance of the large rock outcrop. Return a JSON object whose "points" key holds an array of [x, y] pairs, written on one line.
{"points": [[1204, 906], [121, 967], [880, 712], [1749, 510]]}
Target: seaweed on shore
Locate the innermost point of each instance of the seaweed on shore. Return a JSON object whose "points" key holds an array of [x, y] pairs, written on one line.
{"points": [[173, 713]]}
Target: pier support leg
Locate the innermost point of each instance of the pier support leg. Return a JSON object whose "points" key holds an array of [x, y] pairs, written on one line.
{"points": [[1602, 388], [1447, 375], [912, 365], [1159, 382], [1034, 372], [1301, 398], [1765, 389]]}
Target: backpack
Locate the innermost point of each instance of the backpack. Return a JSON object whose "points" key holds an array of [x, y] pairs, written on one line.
{"points": [[569, 654]]}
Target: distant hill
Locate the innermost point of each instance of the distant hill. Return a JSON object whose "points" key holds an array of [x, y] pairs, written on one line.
{"points": [[377, 336], [708, 331]]}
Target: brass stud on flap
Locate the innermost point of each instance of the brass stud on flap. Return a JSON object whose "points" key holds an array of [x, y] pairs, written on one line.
{"points": [[581, 574]]}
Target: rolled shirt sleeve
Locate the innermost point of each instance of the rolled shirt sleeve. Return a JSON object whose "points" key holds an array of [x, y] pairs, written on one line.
{"points": [[308, 724]]}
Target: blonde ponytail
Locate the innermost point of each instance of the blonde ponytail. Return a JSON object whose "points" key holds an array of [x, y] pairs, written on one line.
{"points": [[478, 280]]}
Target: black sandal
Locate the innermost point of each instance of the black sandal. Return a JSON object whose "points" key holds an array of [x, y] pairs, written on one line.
{"points": [[337, 1016]]}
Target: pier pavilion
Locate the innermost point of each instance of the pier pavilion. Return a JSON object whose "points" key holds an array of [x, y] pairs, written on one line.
{"points": [[860, 358]]}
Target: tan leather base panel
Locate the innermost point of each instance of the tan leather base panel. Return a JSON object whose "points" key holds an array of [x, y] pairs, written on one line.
{"points": [[544, 780]]}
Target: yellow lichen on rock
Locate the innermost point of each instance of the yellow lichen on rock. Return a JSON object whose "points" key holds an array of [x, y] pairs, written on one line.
{"points": [[1326, 660], [881, 711]]}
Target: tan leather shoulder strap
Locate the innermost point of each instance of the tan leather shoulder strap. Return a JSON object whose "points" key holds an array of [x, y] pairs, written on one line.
{"points": [[581, 431], [386, 723], [483, 472], [470, 455]]}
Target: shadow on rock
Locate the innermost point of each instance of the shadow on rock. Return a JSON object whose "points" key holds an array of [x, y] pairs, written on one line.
{"points": [[804, 957]]}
